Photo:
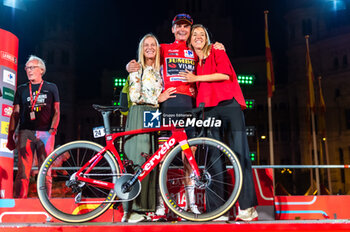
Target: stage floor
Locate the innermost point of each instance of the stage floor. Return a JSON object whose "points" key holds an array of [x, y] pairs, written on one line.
{"points": [[231, 226]]}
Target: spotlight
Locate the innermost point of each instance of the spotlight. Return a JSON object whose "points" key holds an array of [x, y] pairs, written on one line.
{"points": [[16, 4]]}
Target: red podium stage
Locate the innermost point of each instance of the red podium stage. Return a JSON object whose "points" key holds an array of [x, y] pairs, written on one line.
{"points": [[267, 226], [276, 213]]}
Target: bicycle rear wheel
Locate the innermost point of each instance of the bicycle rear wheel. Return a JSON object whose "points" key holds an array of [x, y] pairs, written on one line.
{"points": [[76, 201], [216, 191]]}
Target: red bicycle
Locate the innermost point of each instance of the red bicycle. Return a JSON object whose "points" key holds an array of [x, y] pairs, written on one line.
{"points": [[93, 177]]}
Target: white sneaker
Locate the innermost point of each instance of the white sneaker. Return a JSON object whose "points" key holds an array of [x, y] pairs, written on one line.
{"points": [[133, 217], [160, 211], [247, 215], [191, 199], [159, 215], [194, 209]]}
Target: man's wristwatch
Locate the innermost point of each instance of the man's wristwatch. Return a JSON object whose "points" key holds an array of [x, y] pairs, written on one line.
{"points": [[53, 129]]}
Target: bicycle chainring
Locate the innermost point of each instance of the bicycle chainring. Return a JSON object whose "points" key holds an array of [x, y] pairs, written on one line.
{"points": [[133, 192]]}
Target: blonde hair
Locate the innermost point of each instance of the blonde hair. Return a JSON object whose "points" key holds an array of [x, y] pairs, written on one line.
{"points": [[141, 57], [207, 45]]}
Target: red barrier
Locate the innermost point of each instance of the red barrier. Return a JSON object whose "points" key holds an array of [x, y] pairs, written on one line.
{"points": [[30, 210]]}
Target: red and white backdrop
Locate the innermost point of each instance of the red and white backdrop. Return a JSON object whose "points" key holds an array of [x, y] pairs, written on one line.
{"points": [[8, 84]]}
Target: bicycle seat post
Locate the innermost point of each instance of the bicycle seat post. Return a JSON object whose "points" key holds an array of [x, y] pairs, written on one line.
{"points": [[105, 116]]}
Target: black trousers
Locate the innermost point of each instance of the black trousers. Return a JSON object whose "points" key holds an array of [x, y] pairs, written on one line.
{"points": [[171, 108], [233, 133]]}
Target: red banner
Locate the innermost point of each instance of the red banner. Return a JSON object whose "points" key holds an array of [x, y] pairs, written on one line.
{"points": [[8, 84]]}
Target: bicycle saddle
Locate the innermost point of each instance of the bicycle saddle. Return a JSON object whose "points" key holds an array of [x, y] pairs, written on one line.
{"points": [[107, 108]]}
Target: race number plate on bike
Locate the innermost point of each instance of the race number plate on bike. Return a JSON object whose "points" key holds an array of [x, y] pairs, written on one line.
{"points": [[98, 131]]}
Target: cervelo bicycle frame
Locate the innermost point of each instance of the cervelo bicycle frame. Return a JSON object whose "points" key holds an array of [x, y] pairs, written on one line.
{"points": [[178, 136]]}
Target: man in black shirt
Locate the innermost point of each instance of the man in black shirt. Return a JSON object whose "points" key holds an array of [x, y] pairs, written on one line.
{"points": [[37, 110]]}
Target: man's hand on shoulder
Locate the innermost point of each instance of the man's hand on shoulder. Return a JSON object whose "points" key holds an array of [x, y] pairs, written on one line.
{"points": [[133, 66], [219, 46]]}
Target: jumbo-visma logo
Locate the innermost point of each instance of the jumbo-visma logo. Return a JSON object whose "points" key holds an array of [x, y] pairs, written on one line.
{"points": [[151, 119]]}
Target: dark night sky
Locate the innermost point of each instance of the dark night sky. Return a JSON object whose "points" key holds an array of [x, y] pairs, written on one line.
{"points": [[107, 32]]}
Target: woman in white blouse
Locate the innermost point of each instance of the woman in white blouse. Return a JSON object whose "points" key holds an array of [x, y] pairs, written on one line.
{"points": [[145, 87]]}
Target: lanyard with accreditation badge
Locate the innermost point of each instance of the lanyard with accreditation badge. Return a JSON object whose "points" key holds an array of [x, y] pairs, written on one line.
{"points": [[32, 113]]}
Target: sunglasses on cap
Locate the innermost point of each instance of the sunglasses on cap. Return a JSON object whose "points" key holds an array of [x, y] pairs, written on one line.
{"points": [[183, 17]]}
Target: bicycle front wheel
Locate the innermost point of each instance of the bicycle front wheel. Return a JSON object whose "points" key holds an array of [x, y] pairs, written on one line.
{"points": [[215, 191], [71, 200]]}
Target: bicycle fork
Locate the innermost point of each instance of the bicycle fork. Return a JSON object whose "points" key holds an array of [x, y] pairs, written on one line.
{"points": [[189, 153]]}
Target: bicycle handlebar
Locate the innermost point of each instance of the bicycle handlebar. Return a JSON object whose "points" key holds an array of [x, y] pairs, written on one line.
{"points": [[199, 109]]}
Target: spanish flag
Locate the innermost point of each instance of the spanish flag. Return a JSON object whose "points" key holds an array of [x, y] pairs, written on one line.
{"points": [[310, 77], [269, 67], [321, 106]]}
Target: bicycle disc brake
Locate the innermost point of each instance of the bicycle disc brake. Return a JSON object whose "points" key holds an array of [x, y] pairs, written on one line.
{"points": [[204, 181], [133, 192]]}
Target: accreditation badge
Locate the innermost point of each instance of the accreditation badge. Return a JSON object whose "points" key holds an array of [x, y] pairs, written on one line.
{"points": [[32, 115]]}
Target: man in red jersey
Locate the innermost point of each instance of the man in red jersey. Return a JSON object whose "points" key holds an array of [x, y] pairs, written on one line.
{"points": [[177, 57]]}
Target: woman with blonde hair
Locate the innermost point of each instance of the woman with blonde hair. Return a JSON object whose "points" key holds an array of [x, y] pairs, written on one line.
{"points": [[145, 87]]}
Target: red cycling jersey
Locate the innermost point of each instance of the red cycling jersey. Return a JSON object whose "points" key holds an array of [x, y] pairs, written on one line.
{"points": [[177, 57]]}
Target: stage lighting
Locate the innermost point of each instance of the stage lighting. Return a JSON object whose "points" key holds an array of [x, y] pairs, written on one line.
{"points": [[246, 79], [16, 4], [250, 103], [119, 81], [337, 5]]}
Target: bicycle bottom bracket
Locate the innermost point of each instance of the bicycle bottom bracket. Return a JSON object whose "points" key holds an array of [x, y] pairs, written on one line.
{"points": [[133, 191]]}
